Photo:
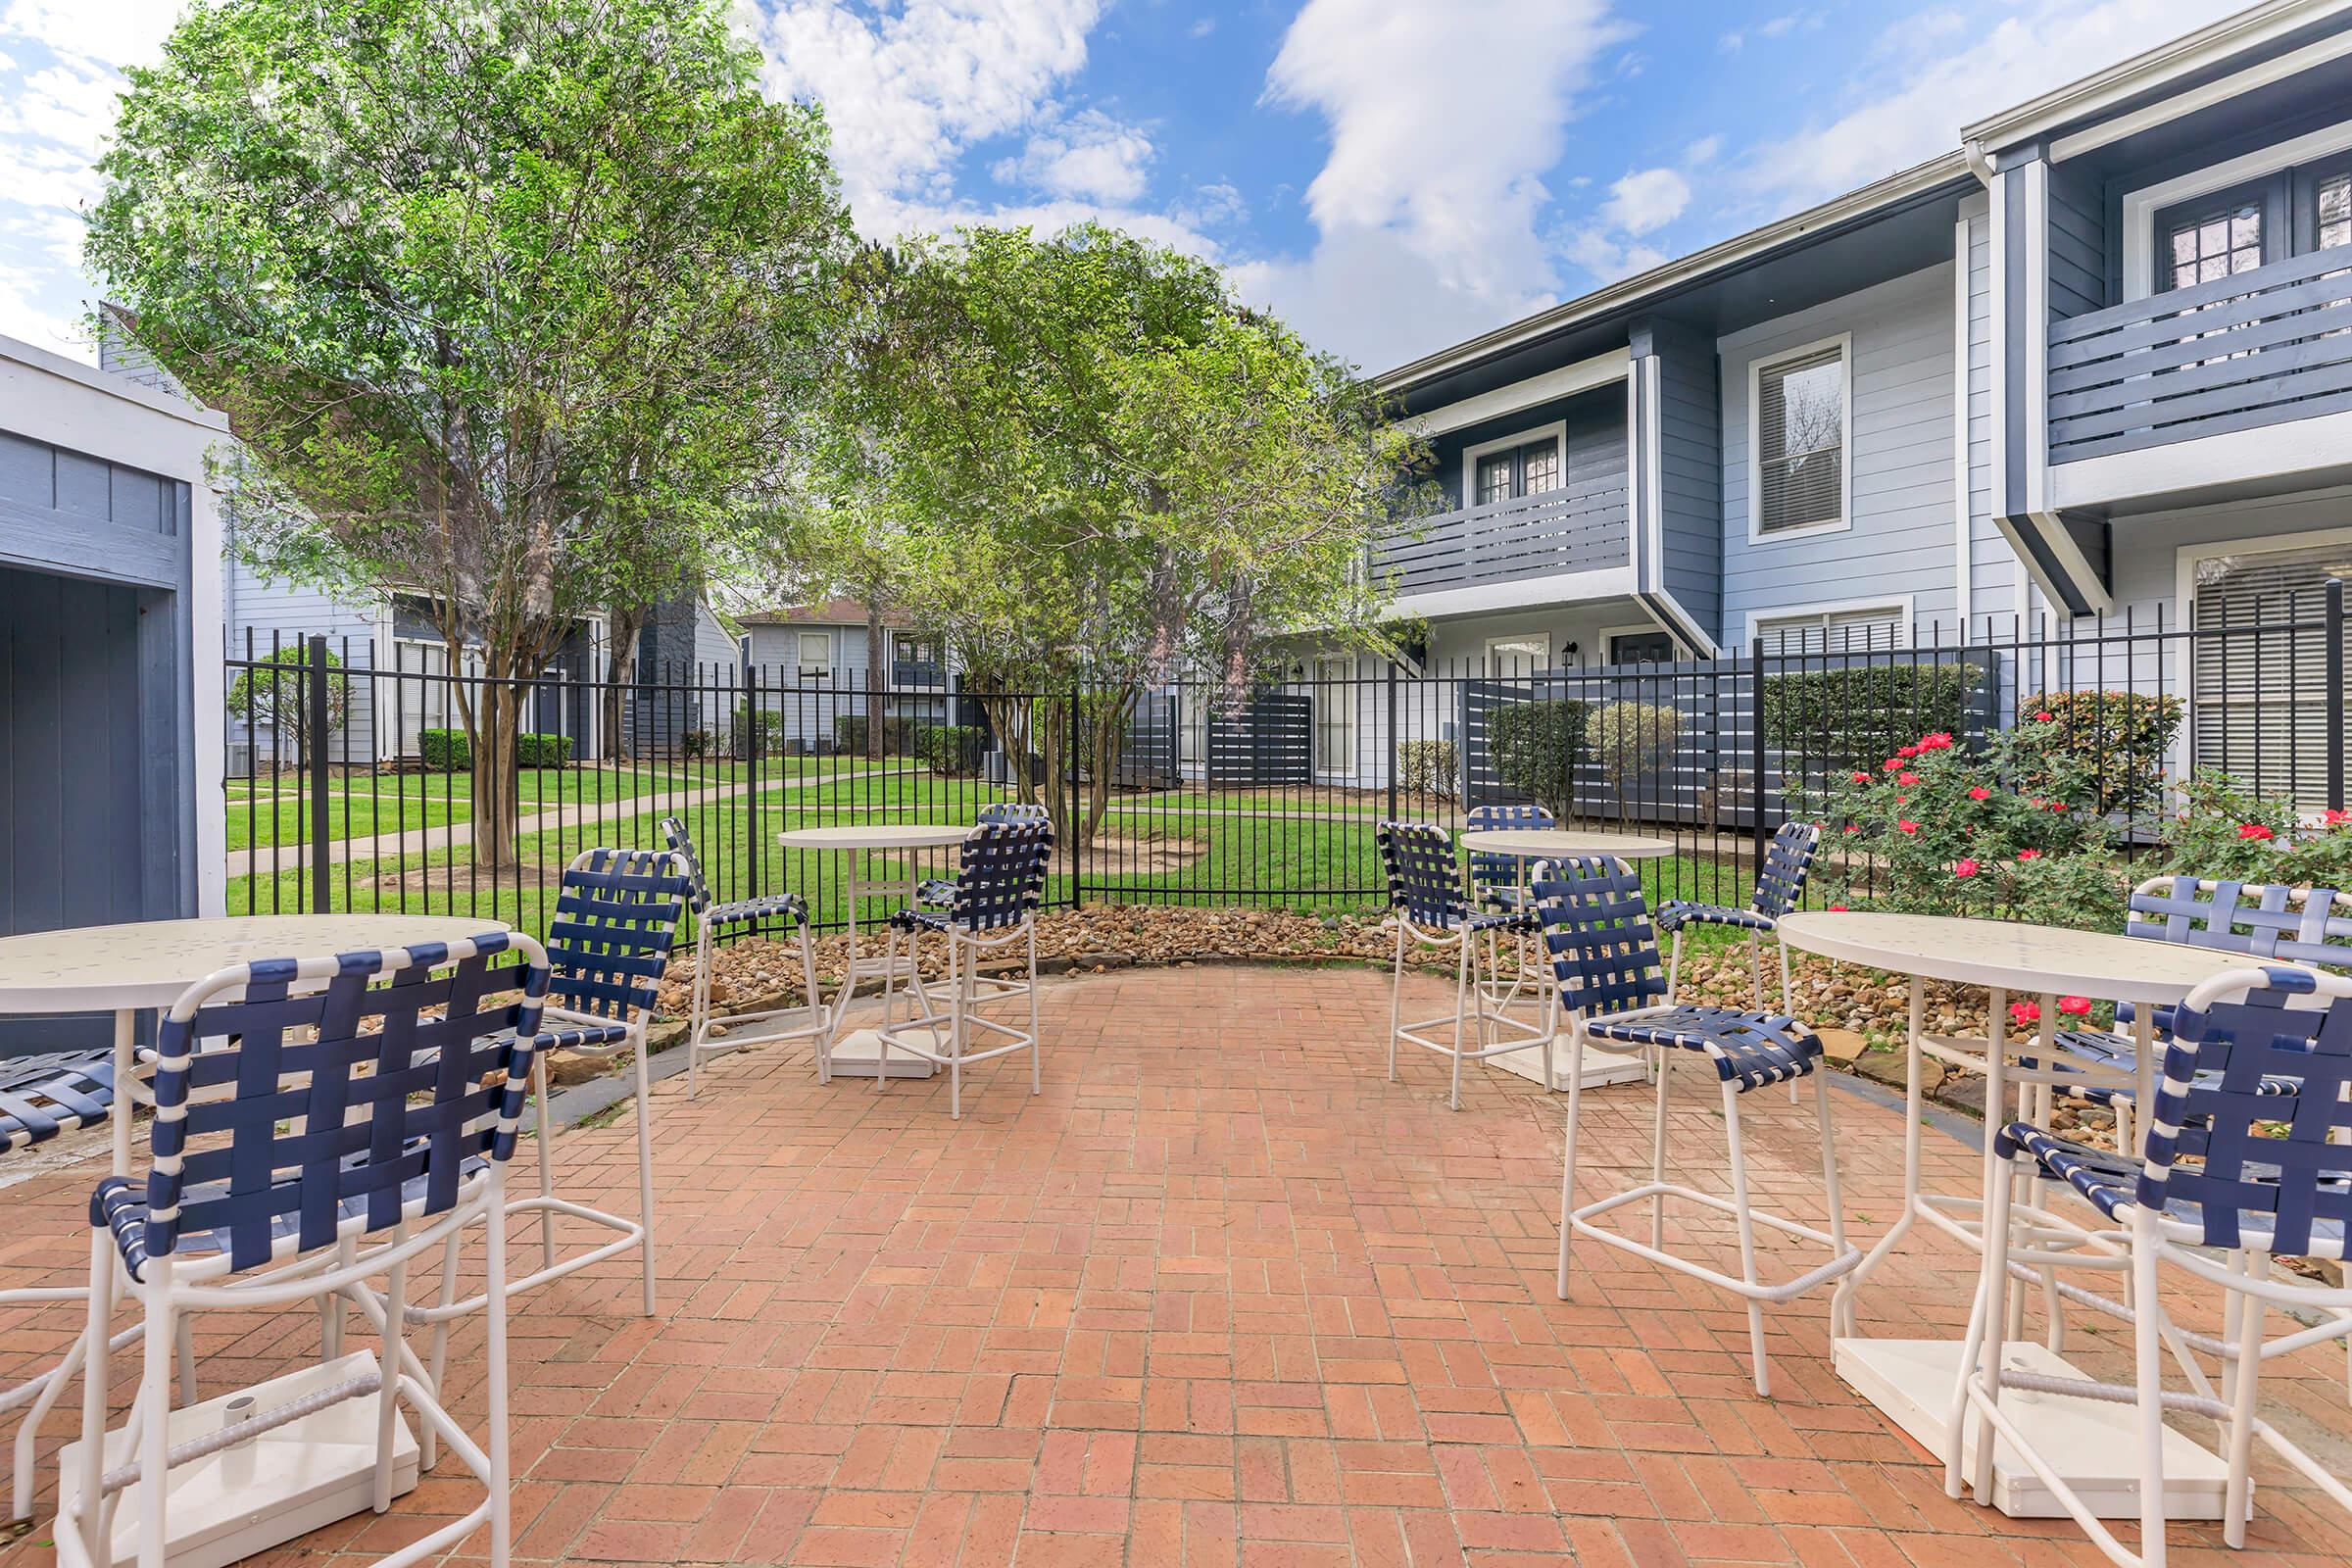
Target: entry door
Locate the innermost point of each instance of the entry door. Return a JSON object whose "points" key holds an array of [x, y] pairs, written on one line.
{"points": [[1335, 715]]}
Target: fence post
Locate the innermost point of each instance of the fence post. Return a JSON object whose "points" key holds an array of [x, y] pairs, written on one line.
{"points": [[2334, 632], [1755, 746], [313, 762], [1070, 759], [1395, 746]]}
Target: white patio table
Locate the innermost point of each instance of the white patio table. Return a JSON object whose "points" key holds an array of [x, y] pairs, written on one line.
{"points": [[1530, 845], [857, 1053], [317, 1469], [1913, 1380]]}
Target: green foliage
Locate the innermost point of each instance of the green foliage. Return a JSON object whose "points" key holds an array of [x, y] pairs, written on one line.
{"points": [[769, 723], [2223, 831], [541, 750], [2119, 739], [1537, 748], [1933, 829], [1633, 739], [953, 750], [276, 694], [444, 751], [1859, 712], [696, 743], [849, 735], [1429, 767]]}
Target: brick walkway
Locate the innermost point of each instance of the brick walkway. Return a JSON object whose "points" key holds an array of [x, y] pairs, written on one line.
{"points": [[1221, 1296]]}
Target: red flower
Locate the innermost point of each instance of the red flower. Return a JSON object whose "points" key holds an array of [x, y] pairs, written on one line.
{"points": [[1836, 909], [2025, 1012], [2029, 855], [2335, 819], [1907, 750], [1890, 764], [1938, 741], [1853, 827], [1964, 867], [1900, 799], [1907, 827], [2073, 1006], [1980, 793], [1906, 779], [1861, 778], [2057, 806], [2043, 719], [2254, 830]]}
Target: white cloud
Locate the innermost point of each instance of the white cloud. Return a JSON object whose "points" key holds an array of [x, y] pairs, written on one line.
{"points": [[1646, 199], [1212, 204], [1203, 27], [1442, 120], [1087, 155], [1927, 80]]}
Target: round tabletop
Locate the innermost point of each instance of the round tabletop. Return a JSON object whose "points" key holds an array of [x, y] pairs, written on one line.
{"points": [[1559, 843], [875, 836], [2014, 957], [104, 969]]}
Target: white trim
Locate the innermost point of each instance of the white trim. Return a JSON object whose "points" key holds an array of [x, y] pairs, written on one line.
{"points": [[2190, 53], [1323, 686], [1898, 604], [1646, 628], [2037, 335], [2076, 566], [2266, 452], [1902, 185], [1997, 359], [2140, 207], [2218, 90], [1523, 593], [1653, 471], [800, 662], [1844, 343], [1485, 649], [1962, 522], [1598, 370], [1557, 429]]}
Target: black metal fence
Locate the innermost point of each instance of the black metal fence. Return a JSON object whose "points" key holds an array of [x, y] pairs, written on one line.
{"points": [[349, 785]]}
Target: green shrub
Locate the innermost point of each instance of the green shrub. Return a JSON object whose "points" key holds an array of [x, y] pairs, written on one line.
{"points": [[953, 750], [696, 743], [1429, 767], [770, 724], [1537, 748], [1859, 712], [1633, 739], [2121, 739], [849, 735], [2226, 832], [444, 751], [540, 750]]}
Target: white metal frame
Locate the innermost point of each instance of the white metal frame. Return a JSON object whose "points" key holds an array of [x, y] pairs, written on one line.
{"points": [[818, 1024], [1475, 1003], [2022, 1238], [961, 1018]]}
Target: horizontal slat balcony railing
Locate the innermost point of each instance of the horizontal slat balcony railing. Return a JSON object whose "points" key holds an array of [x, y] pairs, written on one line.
{"points": [[2252, 349], [1581, 527]]}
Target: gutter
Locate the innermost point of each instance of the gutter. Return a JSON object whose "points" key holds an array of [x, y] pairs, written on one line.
{"points": [[1896, 188]]}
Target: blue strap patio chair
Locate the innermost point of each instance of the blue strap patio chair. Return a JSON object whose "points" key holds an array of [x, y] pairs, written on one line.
{"points": [[1428, 909], [366, 1104], [1605, 955], [778, 915], [1779, 887], [999, 884], [2246, 1159]]}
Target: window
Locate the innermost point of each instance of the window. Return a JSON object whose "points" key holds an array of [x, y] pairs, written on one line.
{"points": [[816, 655], [1522, 654], [1868, 628], [1640, 648], [2258, 691], [1191, 735], [1508, 469], [1335, 715], [1799, 422], [2217, 236], [2331, 208]]}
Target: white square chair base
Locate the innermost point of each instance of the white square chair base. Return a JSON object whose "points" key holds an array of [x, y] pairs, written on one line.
{"points": [[2091, 1442], [285, 1483], [1597, 1068], [856, 1052]]}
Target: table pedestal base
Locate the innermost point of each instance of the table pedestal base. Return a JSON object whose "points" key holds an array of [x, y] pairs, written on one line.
{"points": [[856, 1052], [2093, 1440], [1597, 1068], [285, 1483]]}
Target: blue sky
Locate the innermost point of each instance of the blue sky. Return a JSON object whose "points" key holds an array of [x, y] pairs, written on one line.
{"points": [[1393, 175]]}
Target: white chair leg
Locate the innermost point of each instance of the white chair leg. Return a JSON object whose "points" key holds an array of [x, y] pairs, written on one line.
{"points": [[1662, 1071], [2148, 1368], [437, 1356], [698, 1007], [1962, 1416], [1673, 967], [1037, 1078], [1788, 997], [2238, 1498], [96, 1350], [1829, 1157], [186, 1350], [824, 1036], [387, 1393], [543, 1129], [1576, 1093], [1395, 999], [1995, 1307], [1462, 1001], [645, 1168], [155, 1418], [1746, 1219], [1755, 968], [956, 999], [495, 1379]]}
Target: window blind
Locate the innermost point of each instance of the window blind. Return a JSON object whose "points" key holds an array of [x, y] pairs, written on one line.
{"points": [[1800, 441], [2259, 681]]}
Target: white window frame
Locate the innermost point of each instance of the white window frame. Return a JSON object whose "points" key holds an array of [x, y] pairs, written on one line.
{"points": [[1897, 604], [1844, 343], [1487, 645], [2140, 207], [1333, 687], [800, 650], [1557, 429]]}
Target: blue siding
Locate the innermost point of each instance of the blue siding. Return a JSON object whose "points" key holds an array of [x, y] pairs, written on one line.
{"points": [[2077, 242], [1691, 472]]}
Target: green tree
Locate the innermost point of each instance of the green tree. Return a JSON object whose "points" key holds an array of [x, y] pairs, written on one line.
{"points": [[510, 305], [275, 694], [1102, 468]]}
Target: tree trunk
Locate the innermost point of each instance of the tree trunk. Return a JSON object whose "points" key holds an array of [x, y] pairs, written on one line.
{"points": [[1108, 742], [1008, 716], [1049, 719], [877, 679], [495, 721], [621, 664]]}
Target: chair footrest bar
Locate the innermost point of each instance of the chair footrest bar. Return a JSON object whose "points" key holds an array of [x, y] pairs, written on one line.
{"points": [[1837, 1266]]}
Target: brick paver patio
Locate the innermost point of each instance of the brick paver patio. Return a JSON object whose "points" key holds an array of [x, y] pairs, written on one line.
{"points": [[1222, 1295]]}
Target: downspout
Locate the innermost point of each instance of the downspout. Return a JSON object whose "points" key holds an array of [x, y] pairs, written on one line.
{"points": [[1972, 151], [1979, 165]]}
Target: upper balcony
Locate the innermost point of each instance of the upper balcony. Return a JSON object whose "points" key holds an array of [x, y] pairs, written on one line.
{"points": [[2256, 349], [1578, 528]]}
